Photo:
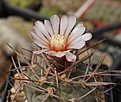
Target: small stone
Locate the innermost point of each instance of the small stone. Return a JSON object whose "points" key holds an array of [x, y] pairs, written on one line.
{"points": [[22, 94], [33, 66], [12, 96], [26, 100], [16, 76], [72, 100], [23, 69], [42, 80], [63, 76], [51, 90], [17, 84], [13, 90]]}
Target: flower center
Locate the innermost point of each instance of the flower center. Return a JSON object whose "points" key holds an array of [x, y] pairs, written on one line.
{"points": [[57, 42]]}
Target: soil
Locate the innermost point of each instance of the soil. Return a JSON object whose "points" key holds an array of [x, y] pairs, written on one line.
{"points": [[4, 68]]}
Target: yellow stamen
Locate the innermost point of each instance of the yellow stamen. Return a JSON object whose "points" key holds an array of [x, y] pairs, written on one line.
{"points": [[57, 42]]}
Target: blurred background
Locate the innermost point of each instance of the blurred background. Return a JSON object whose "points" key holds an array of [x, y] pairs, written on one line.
{"points": [[101, 17]]}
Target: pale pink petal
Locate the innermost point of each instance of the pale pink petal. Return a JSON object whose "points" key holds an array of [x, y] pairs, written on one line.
{"points": [[60, 54], [87, 36], [78, 45], [70, 25], [38, 32], [40, 51], [79, 26], [51, 53], [48, 27], [36, 37], [76, 28], [76, 40], [63, 24], [78, 31], [41, 27], [80, 39], [40, 44], [70, 57], [37, 52], [55, 23]]}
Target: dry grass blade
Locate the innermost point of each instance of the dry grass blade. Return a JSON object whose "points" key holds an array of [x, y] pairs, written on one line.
{"points": [[18, 90], [96, 68], [29, 80], [100, 62], [48, 63], [76, 63], [40, 90], [99, 83], [16, 68], [45, 91], [34, 72], [91, 46], [45, 98], [25, 58], [88, 66], [27, 50], [58, 97], [110, 88], [69, 74], [86, 94], [56, 77]]}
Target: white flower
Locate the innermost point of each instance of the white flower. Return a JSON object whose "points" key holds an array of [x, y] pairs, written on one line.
{"points": [[56, 37]]}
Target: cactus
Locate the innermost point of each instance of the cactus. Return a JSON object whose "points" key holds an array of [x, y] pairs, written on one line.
{"points": [[63, 90], [55, 73]]}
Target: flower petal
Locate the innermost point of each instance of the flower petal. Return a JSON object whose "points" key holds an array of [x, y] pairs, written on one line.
{"points": [[78, 45], [48, 27], [71, 23], [76, 41], [55, 23], [78, 31], [60, 54], [41, 27], [70, 57], [87, 36], [79, 26], [51, 53], [63, 24], [40, 35], [40, 44], [40, 40], [40, 51]]}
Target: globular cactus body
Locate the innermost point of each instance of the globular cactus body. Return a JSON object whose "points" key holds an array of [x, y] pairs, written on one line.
{"points": [[64, 90]]}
